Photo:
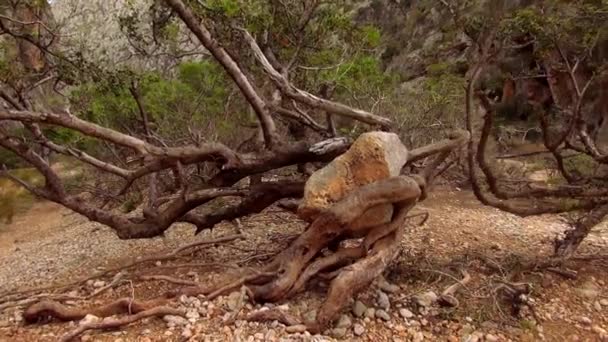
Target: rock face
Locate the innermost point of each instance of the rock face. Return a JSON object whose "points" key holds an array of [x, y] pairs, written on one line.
{"points": [[373, 156]]}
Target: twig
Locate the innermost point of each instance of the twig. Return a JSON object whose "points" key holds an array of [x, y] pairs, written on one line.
{"points": [[118, 322]]}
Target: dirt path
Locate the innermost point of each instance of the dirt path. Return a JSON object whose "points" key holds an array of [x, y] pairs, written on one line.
{"points": [[48, 244]]}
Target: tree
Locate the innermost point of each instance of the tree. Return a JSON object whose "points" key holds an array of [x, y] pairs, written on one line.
{"points": [[566, 46], [248, 49]]}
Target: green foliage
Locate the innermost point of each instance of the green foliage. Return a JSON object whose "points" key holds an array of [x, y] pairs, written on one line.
{"points": [[372, 35], [194, 97]]}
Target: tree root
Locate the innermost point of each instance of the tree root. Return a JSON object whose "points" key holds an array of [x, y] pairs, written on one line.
{"points": [[45, 309], [447, 298], [339, 258], [157, 311], [273, 315]]}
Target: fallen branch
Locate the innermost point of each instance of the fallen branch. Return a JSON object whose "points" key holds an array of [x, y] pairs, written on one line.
{"points": [[158, 311]]}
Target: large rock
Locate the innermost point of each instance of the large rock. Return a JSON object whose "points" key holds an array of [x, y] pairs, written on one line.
{"points": [[372, 157]]}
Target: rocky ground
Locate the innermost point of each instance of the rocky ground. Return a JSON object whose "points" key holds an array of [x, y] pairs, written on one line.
{"points": [[49, 245]]}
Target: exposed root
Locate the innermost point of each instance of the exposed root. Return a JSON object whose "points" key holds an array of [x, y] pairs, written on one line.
{"points": [[157, 311], [273, 315], [339, 258], [447, 297], [240, 282], [353, 279], [45, 309]]}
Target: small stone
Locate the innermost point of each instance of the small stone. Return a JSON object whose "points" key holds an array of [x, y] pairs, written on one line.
{"points": [[426, 299], [383, 301], [370, 313], [158, 263], [187, 333], [146, 332], [585, 320], [358, 329], [491, 338], [359, 309], [175, 320], [383, 315], [99, 283], [344, 322], [89, 319], [588, 290], [597, 306], [405, 313], [258, 336], [284, 307], [418, 337], [338, 332], [599, 330], [604, 302], [233, 300], [388, 287]]}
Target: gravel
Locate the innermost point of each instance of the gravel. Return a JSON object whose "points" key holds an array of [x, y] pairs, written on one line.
{"points": [[79, 247]]}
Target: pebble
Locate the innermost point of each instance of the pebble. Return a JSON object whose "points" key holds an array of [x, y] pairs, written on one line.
{"points": [[175, 320], [187, 333], [599, 330], [359, 309], [491, 338], [344, 322], [597, 306], [426, 299], [99, 283], [258, 336], [585, 320], [405, 313], [383, 301], [358, 329], [338, 332], [418, 337], [233, 300], [293, 329], [89, 319], [388, 287], [370, 313], [383, 315], [604, 302]]}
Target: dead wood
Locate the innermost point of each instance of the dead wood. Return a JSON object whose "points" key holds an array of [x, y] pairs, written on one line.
{"points": [[51, 309]]}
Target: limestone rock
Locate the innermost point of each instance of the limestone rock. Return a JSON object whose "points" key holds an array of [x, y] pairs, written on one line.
{"points": [[359, 309], [372, 157]]}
